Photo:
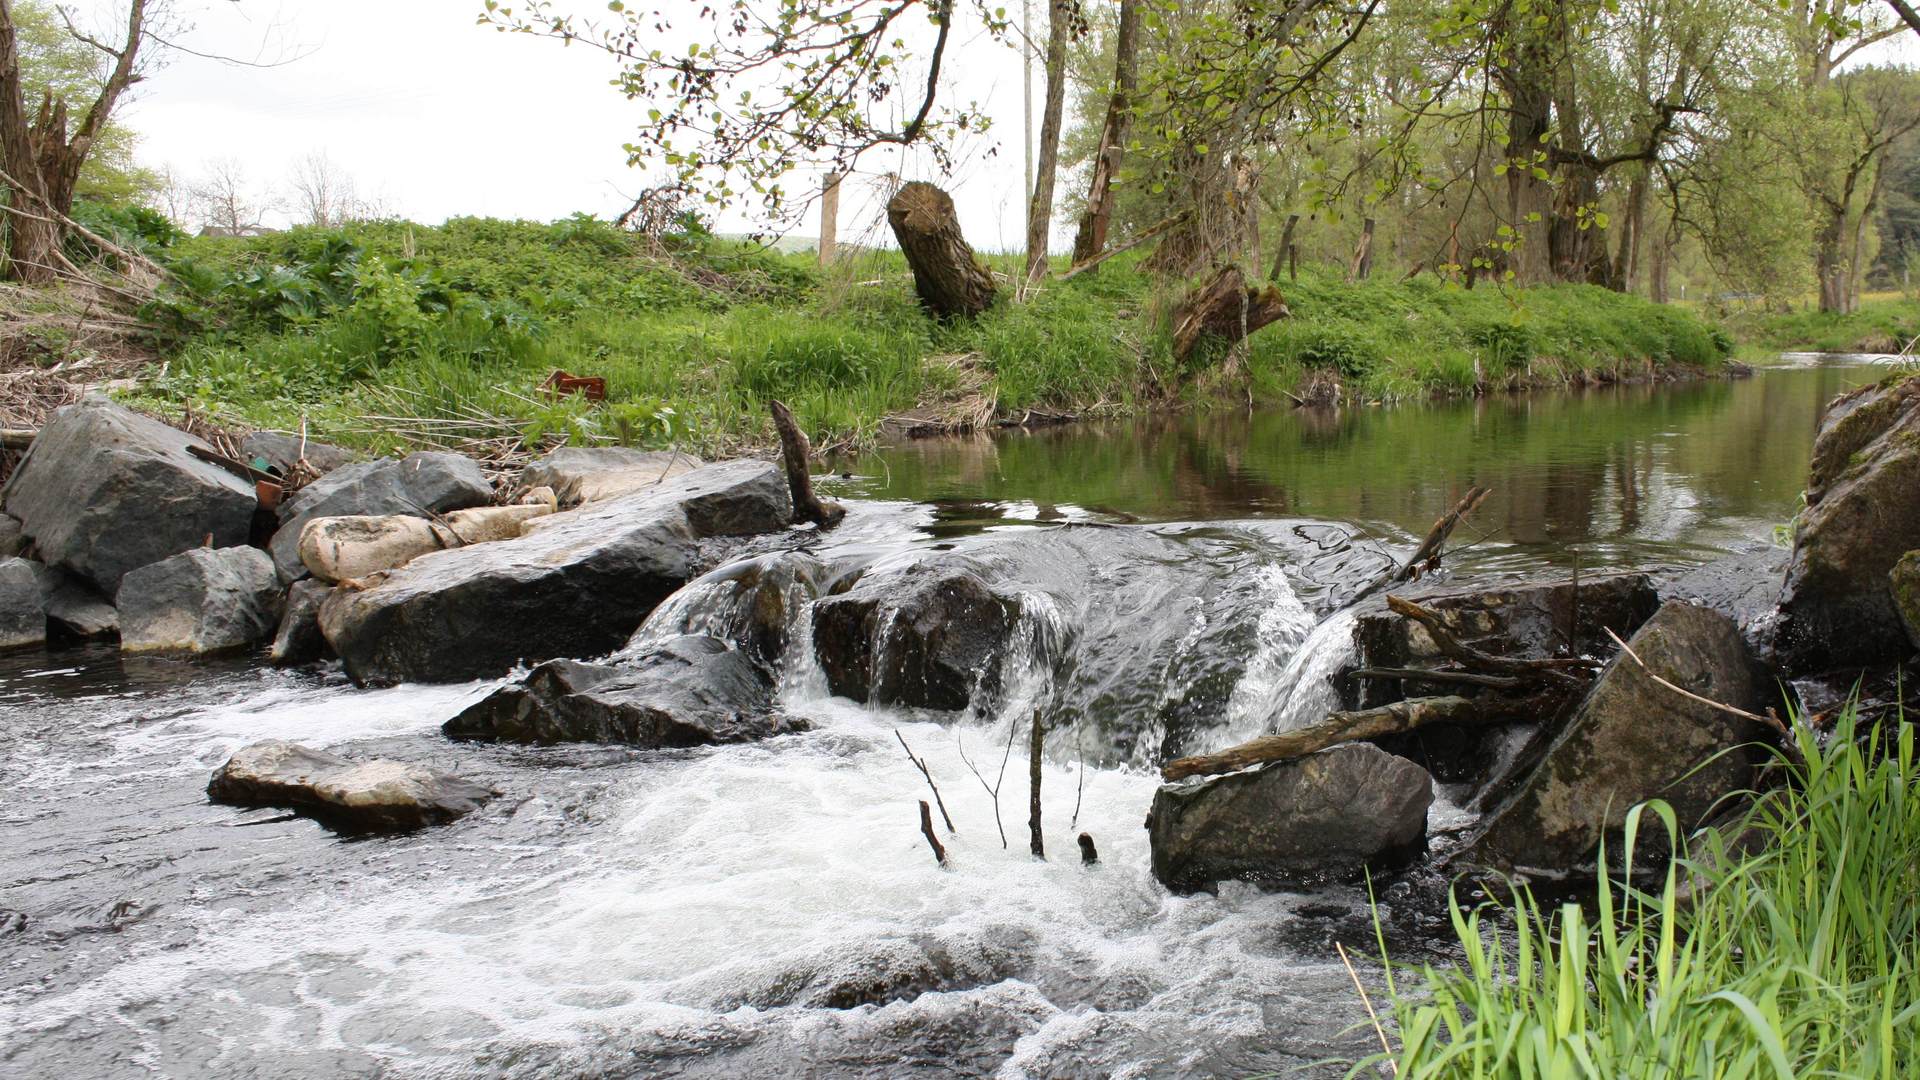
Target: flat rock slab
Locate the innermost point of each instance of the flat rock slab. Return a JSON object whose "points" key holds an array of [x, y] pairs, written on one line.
{"points": [[1632, 740], [582, 474], [575, 584], [359, 796], [104, 491], [200, 601], [686, 691], [76, 611], [1326, 817], [418, 485], [25, 587]]}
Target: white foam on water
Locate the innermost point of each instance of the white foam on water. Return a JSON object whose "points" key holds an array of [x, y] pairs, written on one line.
{"points": [[1290, 682]]}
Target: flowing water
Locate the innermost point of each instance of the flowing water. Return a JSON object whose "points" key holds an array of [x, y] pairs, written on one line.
{"points": [[771, 909]]}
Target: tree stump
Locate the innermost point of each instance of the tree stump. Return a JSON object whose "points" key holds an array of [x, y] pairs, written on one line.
{"points": [[948, 279], [1225, 307]]}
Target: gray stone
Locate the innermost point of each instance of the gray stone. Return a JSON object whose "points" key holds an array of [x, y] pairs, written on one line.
{"points": [[684, 691], [1744, 587], [938, 629], [299, 640], [580, 474], [104, 491], [1905, 583], [76, 611], [282, 451], [25, 587], [418, 485], [1632, 740], [204, 600], [12, 540], [374, 796], [1862, 514], [1329, 816], [573, 584]]}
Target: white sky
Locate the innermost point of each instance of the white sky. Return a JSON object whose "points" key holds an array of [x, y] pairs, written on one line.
{"points": [[438, 116], [441, 117]]}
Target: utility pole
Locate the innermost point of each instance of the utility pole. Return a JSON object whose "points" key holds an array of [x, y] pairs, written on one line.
{"points": [[829, 217], [1026, 86]]}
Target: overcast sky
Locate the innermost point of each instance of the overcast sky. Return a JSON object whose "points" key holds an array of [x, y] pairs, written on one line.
{"points": [[438, 116]]}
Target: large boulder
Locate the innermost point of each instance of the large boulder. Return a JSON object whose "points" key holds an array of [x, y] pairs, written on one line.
{"points": [[573, 584], [1862, 514], [25, 587], [1632, 740], [685, 691], [1329, 816], [370, 796], [418, 485], [204, 600], [298, 639], [282, 451], [1744, 586], [928, 637], [104, 491], [581, 474], [75, 611]]}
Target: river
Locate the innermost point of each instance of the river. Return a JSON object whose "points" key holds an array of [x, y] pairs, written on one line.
{"points": [[771, 909]]}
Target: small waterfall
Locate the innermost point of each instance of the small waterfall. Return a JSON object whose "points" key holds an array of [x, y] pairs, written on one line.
{"points": [[1027, 668], [1290, 684]]}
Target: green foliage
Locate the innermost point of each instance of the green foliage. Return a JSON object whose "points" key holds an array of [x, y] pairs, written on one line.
{"points": [[1797, 960]]}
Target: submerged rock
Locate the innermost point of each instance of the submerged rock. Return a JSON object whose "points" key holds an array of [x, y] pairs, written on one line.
{"points": [[281, 451], [1862, 515], [418, 485], [751, 604], [924, 638], [573, 584], [299, 640], [25, 587], [76, 611], [1329, 816], [583, 474], [1632, 740], [104, 491], [204, 600], [378, 796], [685, 691]]}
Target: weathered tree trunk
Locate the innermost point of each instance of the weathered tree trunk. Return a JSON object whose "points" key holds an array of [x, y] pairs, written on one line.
{"points": [[946, 276], [1830, 263], [1284, 258], [43, 153], [1225, 307], [1091, 238], [829, 217], [1626, 267], [1362, 267], [1040, 211], [794, 452]]}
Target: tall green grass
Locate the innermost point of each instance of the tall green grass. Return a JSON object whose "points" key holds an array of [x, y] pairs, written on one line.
{"points": [[1796, 960]]}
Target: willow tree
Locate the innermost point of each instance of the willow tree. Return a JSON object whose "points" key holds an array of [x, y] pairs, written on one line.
{"points": [[45, 144]]}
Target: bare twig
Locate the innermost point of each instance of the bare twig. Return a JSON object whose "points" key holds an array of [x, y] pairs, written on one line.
{"points": [[1035, 745], [922, 766], [992, 789], [1465, 678], [926, 829], [1368, 1002]]}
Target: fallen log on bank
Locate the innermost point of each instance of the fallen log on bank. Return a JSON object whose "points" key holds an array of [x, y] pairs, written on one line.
{"points": [[794, 452], [946, 276], [1226, 307]]}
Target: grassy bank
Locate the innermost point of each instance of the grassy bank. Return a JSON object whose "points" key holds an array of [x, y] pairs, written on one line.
{"points": [[1800, 960], [383, 334], [1882, 324]]}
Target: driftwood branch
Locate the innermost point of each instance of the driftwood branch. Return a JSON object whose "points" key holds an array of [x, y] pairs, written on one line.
{"points": [[1035, 745], [926, 829], [1552, 669], [1427, 556], [921, 764], [1465, 678], [1342, 727], [794, 452]]}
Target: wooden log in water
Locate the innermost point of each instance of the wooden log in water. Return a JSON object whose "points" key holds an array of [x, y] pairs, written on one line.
{"points": [[1344, 727], [794, 453], [1035, 746], [948, 279], [1224, 307]]}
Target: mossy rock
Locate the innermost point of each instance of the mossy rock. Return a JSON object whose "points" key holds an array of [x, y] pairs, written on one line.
{"points": [[1906, 593]]}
